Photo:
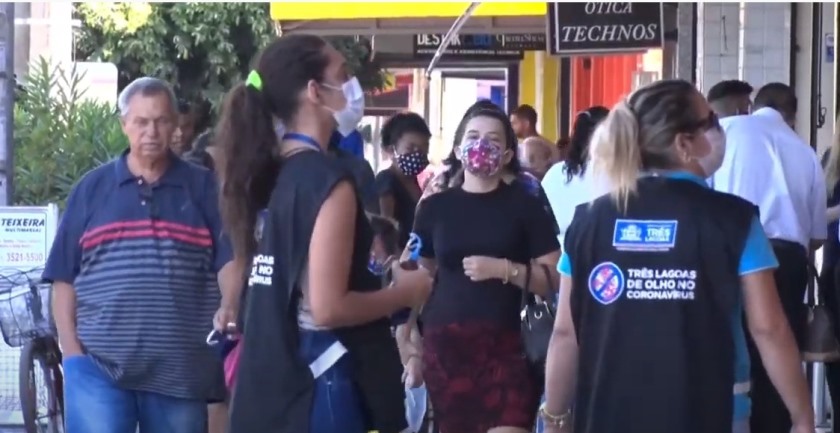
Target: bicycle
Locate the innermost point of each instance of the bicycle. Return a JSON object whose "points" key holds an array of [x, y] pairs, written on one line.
{"points": [[25, 322]]}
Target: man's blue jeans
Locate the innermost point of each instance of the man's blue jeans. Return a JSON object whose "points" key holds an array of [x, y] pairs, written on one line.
{"points": [[94, 404]]}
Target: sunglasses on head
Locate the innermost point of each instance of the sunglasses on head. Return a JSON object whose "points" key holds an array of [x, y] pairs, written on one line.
{"points": [[707, 123]]}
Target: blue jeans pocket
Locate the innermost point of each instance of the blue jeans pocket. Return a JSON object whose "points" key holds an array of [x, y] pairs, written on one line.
{"points": [[336, 405], [75, 364]]}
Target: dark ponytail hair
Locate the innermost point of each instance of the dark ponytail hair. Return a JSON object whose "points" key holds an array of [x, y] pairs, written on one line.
{"points": [[454, 173], [246, 136], [578, 150]]}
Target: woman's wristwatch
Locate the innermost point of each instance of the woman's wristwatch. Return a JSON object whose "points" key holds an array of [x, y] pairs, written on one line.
{"points": [[558, 421]]}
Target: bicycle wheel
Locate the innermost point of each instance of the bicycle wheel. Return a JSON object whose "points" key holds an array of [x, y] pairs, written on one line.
{"points": [[47, 417]]}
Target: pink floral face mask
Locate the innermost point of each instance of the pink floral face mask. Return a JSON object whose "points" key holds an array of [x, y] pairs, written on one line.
{"points": [[481, 157]]}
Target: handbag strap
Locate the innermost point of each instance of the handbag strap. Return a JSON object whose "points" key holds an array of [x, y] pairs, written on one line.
{"points": [[547, 274], [815, 296], [527, 296]]}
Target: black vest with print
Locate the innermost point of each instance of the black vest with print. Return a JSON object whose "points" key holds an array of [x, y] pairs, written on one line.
{"points": [[274, 386], [655, 290]]}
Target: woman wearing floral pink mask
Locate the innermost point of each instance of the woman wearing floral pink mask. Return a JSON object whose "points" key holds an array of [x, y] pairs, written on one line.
{"points": [[487, 241]]}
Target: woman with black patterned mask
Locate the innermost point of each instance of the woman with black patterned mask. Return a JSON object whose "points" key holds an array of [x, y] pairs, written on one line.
{"points": [[405, 136]]}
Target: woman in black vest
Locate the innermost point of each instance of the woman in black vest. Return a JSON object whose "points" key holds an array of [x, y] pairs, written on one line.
{"points": [[654, 279], [317, 347]]}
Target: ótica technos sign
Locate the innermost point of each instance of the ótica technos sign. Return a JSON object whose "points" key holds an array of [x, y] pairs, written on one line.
{"points": [[604, 27]]}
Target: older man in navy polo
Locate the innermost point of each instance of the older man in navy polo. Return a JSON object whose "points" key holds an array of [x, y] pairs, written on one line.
{"points": [[137, 266]]}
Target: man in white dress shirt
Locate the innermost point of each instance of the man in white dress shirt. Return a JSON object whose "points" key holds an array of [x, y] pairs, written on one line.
{"points": [[768, 164]]}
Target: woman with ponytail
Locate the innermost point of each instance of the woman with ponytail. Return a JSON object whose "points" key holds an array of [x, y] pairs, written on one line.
{"points": [[655, 278], [317, 354]]}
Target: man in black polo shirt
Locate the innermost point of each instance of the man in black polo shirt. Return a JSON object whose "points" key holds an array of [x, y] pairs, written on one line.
{"points": [[136, 268]]}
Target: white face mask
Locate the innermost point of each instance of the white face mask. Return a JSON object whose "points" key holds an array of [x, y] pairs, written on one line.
{"points": [[415, 407], [714, 159], [349, 117]]}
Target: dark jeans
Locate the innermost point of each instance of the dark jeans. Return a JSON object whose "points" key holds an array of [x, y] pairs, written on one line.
{"points": [[769, 414]]}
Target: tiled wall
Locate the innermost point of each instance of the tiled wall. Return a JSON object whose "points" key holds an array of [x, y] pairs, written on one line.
{"points": [[766, 46], [746, 41]]}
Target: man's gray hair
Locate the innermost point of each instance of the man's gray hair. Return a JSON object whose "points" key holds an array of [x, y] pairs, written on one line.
{"points": [[146, 86]]}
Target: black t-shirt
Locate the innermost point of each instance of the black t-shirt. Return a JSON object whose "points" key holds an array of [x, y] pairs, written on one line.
{"points": [[507, 222], [388, 183]]}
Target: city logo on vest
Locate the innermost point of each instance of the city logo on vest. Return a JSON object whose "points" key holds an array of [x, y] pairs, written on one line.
{"points": [[644, 235], [606, 283]]}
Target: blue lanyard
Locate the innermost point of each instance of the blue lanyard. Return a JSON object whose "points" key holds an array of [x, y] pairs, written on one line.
{"points": [[302, 138]]}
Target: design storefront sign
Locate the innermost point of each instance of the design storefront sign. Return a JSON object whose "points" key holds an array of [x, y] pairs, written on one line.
{"points": [[468, 46], [604, 27]]}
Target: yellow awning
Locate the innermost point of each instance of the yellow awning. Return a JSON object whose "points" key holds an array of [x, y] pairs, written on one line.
{"points": [[296, 11]]}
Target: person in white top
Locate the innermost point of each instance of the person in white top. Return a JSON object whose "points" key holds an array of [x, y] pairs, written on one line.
{"points": [[768, 164], [568, 184]]}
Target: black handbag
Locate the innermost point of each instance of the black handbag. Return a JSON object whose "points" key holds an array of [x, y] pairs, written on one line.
{"points": [[821, 343], [537, 324]]}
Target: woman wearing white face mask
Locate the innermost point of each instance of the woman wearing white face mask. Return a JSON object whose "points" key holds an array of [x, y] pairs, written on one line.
{"points": [[655, 277], [709, 164], [318, 355]]}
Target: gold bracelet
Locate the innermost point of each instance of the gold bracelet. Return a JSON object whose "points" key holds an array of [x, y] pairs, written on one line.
{"points": [[558, 421], [506, 279]]}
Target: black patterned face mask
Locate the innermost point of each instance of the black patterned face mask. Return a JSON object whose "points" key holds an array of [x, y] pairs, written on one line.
{"points": [[412, 163]]}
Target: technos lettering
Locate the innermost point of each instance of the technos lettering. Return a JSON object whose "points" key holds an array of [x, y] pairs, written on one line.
{"points": [[661, 284], [609, 32]]}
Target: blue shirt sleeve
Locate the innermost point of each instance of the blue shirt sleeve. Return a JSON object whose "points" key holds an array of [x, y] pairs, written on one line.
{"points": [[65, 258], [565, 265], [222, 248], [758, 254]]}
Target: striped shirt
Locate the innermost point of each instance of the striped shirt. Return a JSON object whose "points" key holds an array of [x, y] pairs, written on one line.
{"points": [[143, 260]]}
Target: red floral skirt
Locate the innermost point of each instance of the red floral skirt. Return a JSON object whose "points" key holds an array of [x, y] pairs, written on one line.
{"points": [[478, 378]]}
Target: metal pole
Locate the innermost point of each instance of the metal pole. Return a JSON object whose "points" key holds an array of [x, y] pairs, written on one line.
{"points": [[7, 103], [447, 38]]}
